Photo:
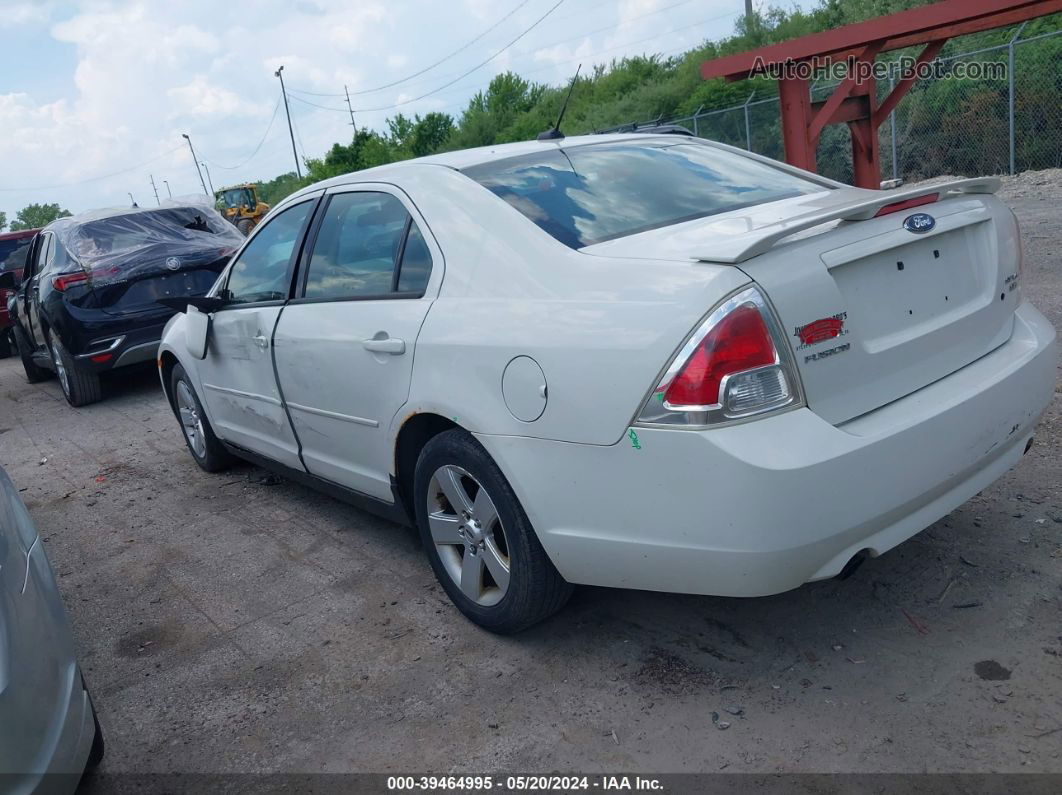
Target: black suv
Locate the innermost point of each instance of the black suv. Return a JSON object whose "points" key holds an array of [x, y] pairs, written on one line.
{"points": [[88, 298]]}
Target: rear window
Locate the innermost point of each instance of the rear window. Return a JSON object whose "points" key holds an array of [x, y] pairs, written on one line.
{"points": [[589, 194], [132, 230]]}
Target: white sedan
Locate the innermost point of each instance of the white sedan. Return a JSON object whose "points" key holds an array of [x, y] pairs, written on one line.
{"points": [[640, 361]]}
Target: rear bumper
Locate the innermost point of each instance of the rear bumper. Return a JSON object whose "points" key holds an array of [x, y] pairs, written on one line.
{"points": [[762, 507], [120, 347]]}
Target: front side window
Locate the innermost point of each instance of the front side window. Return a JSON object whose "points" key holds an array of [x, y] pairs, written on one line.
{"points": [[263, 270], [361, 246], [592, 193]]}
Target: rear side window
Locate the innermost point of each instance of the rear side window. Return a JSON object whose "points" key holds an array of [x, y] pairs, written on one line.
{"points": [[589, 194], [367, 246]]}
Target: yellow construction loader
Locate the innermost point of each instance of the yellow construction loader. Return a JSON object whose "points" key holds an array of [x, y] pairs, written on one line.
{"points": [[240, 206]]}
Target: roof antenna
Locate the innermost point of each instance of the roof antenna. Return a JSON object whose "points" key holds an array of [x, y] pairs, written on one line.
{"points": [[553, 133]]}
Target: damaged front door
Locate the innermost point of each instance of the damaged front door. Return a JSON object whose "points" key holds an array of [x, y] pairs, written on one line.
{"points": [[239, 382]]}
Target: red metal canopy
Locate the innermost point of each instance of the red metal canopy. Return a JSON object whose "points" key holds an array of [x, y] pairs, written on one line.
{"points": [[854, 100]]}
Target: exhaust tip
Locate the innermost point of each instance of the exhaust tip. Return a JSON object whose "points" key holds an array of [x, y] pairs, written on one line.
{"points": [[850, 567]]}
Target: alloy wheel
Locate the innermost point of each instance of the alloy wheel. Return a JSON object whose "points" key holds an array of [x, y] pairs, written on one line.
{"points": [[191, 422], [468, 535]]}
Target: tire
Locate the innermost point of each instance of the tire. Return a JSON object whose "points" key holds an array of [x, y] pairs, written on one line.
{"points": [[6, 344], [245, 225], [80, 388], [34, 372], [499, 539], [205, 447]]}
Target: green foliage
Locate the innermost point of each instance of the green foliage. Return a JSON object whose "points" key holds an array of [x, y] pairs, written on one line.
{"points": [[33, 216], [273, 190], [3, 220]]}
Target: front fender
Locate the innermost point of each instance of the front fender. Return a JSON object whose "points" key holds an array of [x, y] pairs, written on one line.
{"points": [[173, 344]]}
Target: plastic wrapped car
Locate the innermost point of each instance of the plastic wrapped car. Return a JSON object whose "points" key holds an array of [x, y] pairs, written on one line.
{"points": [[88, 299]]}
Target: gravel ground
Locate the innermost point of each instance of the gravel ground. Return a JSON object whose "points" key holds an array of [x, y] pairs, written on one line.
{"points": [[242, 623]]}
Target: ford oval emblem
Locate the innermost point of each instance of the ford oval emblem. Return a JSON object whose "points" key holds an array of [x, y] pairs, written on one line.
{"points": [[173, 263], [919, 223]]}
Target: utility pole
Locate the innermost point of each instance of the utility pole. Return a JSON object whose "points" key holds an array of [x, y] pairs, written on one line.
{"points": [[166, 182], [196, 161], [207, 170], [351, 108], [748, 15], [132, 201], [157, 199], [291, 132]]}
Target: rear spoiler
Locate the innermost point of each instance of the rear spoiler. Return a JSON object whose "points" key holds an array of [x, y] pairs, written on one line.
{"points": [[751, 244]]}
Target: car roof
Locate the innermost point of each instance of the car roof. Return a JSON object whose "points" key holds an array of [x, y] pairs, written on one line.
{"points": [[465, 158], [18, 235]]}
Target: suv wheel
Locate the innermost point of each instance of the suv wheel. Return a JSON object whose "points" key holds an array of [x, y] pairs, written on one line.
{"points": [[34, 372], [205, 447], [79, 387], [479, 540]]}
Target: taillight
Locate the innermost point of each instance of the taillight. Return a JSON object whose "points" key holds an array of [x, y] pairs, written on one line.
{"points": [[736, 365], [65, 280]]}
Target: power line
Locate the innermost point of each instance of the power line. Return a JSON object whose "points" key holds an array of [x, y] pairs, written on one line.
{"points": [[481, 64], [95, 179], [585, 56], [552, 65], [523, 53], [445, 58], [265, 135]]}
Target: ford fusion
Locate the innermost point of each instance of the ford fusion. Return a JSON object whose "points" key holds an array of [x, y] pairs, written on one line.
{"points": [[88, 299], [641, 361]]}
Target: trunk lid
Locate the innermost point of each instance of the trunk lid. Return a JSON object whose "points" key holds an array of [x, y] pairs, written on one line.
{"points": [[872, 310], [137, 287]]}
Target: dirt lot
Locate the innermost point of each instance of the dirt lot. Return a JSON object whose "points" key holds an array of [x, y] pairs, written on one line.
{"points": [[238, 623]]}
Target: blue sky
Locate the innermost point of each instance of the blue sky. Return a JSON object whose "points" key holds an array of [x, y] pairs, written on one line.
{"points": [[94, 87]]}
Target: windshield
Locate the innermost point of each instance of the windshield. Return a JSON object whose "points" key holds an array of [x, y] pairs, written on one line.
{"points": [[237, 197], [589, 194]]}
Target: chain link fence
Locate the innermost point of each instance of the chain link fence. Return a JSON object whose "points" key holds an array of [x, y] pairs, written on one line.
{"points": [[964, 127]]}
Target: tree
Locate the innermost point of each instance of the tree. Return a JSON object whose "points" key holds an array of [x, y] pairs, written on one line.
{"points": [[3, 220], [430, 133], [33, 216]]}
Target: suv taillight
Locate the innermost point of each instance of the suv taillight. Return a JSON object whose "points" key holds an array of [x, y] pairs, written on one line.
{"points": [[736, 365]]}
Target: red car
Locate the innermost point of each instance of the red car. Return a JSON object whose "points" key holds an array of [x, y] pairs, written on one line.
{"points": [[13, 249]]}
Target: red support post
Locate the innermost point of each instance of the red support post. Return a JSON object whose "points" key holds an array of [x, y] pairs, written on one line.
{"points": [[866, 160], [856, 105], [795, 96]]}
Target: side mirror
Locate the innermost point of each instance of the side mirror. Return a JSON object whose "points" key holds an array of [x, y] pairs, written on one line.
{"points": [[196, 332], [8, 280]]}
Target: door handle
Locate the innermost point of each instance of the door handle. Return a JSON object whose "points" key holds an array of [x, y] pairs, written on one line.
{"points": [[391, 345], [261, 341]]}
